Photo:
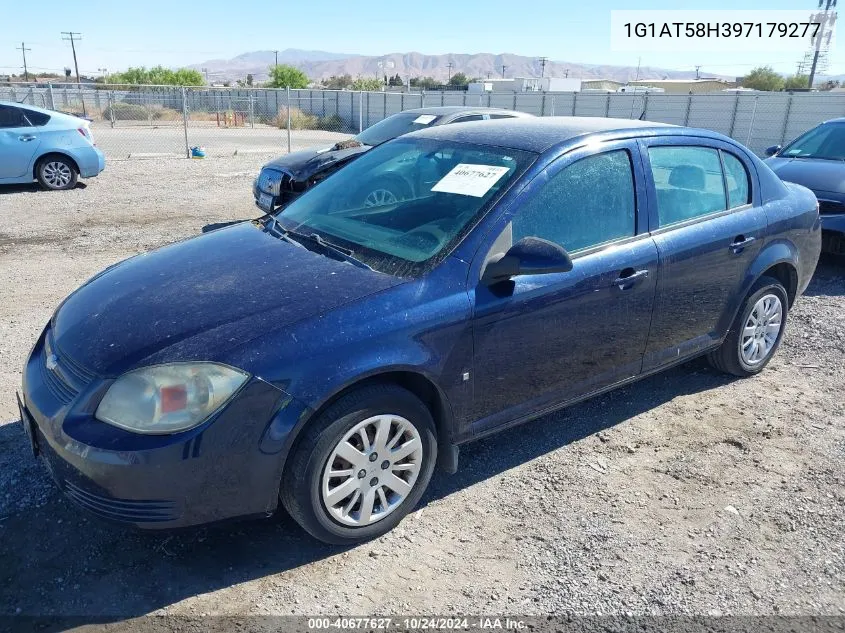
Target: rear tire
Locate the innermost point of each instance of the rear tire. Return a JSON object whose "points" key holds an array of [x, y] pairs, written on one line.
{"points": [[56, 173], [369, 496], [756, 333]]}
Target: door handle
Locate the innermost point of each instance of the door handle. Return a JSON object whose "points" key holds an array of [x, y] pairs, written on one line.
{"points": [[628, 277], [740, 242], [26, 137]]}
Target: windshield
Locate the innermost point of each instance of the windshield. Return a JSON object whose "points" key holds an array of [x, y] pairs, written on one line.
{"points": [[395, 126], [825, 141], [400, 208]]}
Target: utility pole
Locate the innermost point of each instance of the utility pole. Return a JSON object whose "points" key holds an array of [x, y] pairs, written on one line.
{"points": [[23, 49], [827, 20], [105, 72], [543, 61], [277, 57], [73, 37], [205, 70], [449, 66], [697, 73], [639, 59], [566, 73], [504, 68]]}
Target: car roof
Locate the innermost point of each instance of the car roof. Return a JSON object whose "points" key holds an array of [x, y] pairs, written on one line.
{"points": [[537, 134], [446, 110], [28, 107]]}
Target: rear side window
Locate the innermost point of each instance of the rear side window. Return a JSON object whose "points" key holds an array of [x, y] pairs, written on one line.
{"points": [[736, 178], [11, 117], [36, 118], [587, 203], [689, 182], [502, 116], [469, 117]]}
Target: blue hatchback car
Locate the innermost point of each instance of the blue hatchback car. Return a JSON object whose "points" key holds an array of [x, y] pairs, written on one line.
{"points": [[328, 356], [53, 148]]}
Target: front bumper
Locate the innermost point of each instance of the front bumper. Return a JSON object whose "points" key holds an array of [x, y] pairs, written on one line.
{"points": [[833, 233], [229, 466]]}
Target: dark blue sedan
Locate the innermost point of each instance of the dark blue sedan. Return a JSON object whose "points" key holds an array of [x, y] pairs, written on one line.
{"points": [[816, 159], [328, 356]]}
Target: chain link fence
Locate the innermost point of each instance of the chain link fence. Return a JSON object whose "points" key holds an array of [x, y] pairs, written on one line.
{"points": [[143, 121]]}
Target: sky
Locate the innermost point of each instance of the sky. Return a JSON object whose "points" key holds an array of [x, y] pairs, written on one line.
{"points": [[180, 33]]}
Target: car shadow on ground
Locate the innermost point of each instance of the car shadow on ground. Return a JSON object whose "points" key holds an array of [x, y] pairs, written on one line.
{"points": [[827, 280], [31, 187], [60, 562]]}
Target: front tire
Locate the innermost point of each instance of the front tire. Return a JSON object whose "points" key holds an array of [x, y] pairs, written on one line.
{"points": [[361, 466], [756, 333], [56, 173]]}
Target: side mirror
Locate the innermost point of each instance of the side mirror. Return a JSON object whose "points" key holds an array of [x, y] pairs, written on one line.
{"points": [[529, 256], [774, 149]]}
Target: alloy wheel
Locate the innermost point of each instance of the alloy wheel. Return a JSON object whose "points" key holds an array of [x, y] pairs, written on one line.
{"points": [[57, 174], [761, 330], [372, 470], [380, 198]]}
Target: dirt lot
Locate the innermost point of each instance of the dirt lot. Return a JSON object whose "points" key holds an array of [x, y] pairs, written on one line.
{"points": [[687, 493]]}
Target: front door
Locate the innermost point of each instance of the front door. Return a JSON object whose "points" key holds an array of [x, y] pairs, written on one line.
{"points": [[540, 340]]}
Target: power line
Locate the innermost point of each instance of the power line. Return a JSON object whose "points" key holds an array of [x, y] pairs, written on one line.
{"points": [[543, 61], [73, 37], [23, 49]]}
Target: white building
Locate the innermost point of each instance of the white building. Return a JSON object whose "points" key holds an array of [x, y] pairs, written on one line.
{"points": [[526, 84]]}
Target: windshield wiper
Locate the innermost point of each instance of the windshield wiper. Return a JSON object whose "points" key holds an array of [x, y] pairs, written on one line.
{"points": [[299, 238], [279, 232], [818, 157]]}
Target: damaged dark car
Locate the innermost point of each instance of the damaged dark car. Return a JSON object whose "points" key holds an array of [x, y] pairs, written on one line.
{"points": [[286, 177]]}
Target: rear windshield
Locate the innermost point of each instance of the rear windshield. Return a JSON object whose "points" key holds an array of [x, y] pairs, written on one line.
{"points": [[395, 126], [402, 207]]}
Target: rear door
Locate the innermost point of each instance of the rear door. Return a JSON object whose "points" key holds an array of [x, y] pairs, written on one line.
{"points": [[18, 142], [708, 226]]}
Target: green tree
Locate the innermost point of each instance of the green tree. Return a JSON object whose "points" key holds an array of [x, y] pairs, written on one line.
{"points": [[763, 78], [796, 82], [337, 82], [367, 83], [284, 76], [458, 79], [396, 80], [426, 83], [249, 79], [159, 76]]}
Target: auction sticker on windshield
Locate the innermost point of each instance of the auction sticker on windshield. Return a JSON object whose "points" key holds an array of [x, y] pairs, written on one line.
{"points": [[424, 119], [470, 180]]}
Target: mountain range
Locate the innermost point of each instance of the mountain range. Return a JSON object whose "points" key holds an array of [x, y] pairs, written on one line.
{"points": [[322, 64]]}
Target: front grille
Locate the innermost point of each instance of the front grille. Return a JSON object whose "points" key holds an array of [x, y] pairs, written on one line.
{"points": [[829, 207], [64, 377], [131, 511]]}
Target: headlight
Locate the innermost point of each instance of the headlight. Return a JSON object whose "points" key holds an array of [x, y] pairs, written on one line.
{"points": [[169, 398]]}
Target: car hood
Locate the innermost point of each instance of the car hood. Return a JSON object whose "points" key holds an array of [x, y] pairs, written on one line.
{"points": [[196, 299], [305, 163], [813, 173]]}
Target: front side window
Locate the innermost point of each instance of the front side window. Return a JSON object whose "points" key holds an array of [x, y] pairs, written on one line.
{"points": [[587, 203], [689, 182], [11, 116], [825, 141], [438, 191]]}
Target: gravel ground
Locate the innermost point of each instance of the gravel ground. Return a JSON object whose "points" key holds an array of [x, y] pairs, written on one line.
{"points": [[687, 493]]}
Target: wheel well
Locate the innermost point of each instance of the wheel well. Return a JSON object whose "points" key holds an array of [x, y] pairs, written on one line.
{"points": [[41, 159], [418, 385], [788, 276]]}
